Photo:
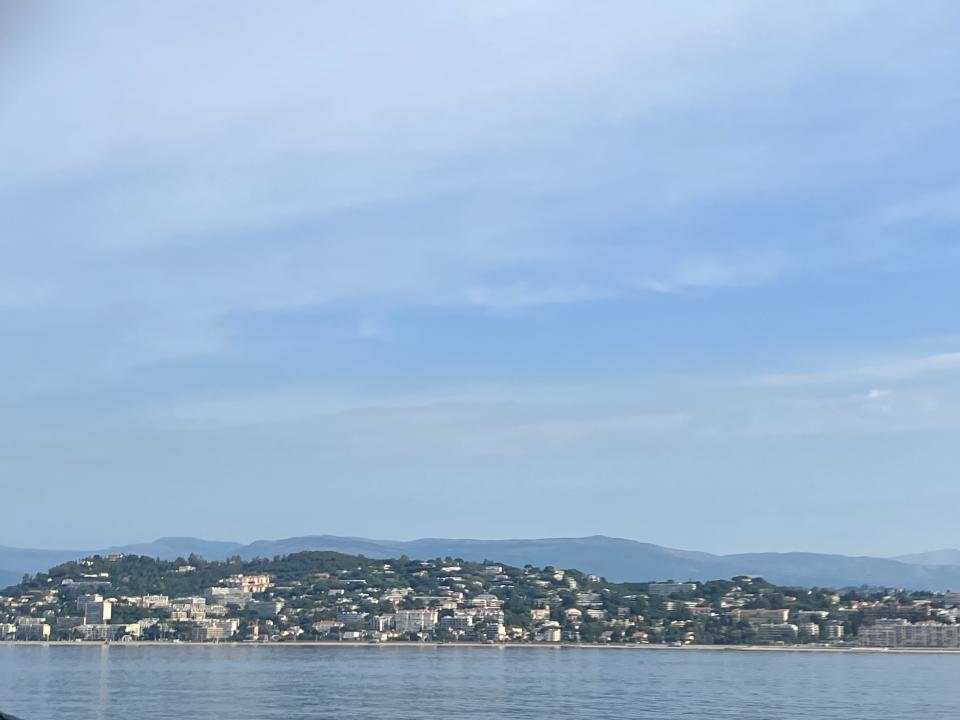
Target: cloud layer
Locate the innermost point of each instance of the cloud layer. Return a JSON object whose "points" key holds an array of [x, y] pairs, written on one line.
{"points": [[557, 249]]}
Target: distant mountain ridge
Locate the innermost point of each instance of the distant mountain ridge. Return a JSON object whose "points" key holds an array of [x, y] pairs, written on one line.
{"points": [[617, 559], [934, 557]]}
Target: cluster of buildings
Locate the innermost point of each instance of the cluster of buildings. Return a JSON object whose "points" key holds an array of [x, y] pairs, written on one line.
{"points": [[784, 625], [450, 600], [90, 616], [932, 622]]}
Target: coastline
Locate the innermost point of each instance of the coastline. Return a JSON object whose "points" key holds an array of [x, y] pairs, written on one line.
{"points": [[498, 646]]}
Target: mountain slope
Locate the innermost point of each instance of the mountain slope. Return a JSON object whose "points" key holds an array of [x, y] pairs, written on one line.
{"points": [[617, 559], [170, 548], [810, 569], [934, 557]]}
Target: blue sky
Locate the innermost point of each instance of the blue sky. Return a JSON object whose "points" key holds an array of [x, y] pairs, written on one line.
{"points": [[681, 272]]}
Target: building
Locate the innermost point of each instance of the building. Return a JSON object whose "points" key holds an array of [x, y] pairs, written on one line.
{"points": [[550, 634], [32, 629], [188, 608], [192, 603], [912, 613], [832, 630], [210, 630], [951, 599], [265, 608], [665, 589], [8, 631], [777, 632], [229, 596], [154, 601], [380, 623], [249, 583], [456, 623], [486, 600], [898, 632], [760, 616], [325, 627], [415, 620], [102, 632], [589, 600], [82, 601], [494, 632], [540, 614], [350, 617], [97, 613]]}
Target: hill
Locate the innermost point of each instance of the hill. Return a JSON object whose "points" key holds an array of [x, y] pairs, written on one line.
{"points": [[934, 557]]}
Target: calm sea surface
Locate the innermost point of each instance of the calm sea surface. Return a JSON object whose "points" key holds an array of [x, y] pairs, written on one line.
{"points": [[129, 683]]}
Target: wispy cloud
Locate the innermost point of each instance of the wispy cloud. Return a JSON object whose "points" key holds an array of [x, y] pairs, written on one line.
{"points": [[295, 241], [941, 207], [902, 369], [712, 271]]}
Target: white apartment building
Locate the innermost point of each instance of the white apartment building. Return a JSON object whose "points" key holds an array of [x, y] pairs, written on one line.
{"points": [[495, 632], [760, 616], [458, 622], [415, 620], [249, 583], [100, 632], [486, 600], [229, 596], [154, 601], [32, 629], [550, 634], [777, 632], [900, 633], [8, 631], [216, 629], [589, 600], [832, 630]]}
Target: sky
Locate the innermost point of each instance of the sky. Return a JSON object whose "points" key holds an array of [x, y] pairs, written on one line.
{"points": [[680, 272]]}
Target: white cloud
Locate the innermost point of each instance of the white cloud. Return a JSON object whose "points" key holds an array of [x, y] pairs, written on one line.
{"points": [[499, 156]]}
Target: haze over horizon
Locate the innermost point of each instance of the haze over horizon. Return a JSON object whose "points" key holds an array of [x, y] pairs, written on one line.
{"points": [[923, 557], [684, 274]]}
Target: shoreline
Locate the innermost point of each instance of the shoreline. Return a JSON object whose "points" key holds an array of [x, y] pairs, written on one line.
{"points": [[347, 644]]}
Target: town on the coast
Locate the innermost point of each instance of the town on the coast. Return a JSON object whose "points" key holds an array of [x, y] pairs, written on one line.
{"points": [[331, 597]]}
